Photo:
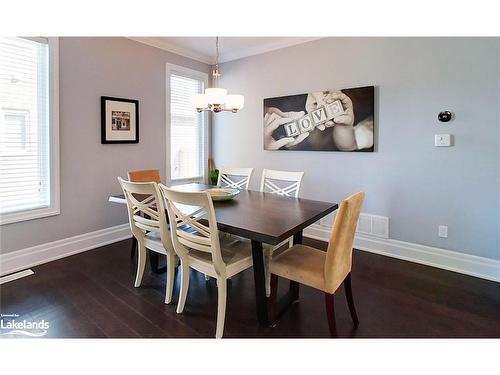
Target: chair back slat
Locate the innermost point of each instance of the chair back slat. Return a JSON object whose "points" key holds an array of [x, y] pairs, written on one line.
{"points": [[146, 224], [188, 229], [281, 182], [146, 210], [339, 254], [145, 175], [237, 178], [195, 224]]}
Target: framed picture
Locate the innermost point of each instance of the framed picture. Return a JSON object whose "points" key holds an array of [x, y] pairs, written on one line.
{"points": [[329, 120], [119, 120]]}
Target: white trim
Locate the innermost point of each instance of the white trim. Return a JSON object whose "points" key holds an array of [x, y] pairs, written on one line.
{"points": [[54, 126], [196, 74], [54, 208], [472, 265], [161, 43], [263, 48], [164, 44], [15, 276], [117, 200], [47, 252]]}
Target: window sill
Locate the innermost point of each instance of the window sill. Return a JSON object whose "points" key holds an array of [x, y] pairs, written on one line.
{"points": [[16, 217], [181, 181]]}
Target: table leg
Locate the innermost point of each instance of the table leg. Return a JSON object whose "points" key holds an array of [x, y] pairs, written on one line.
{"points": [[154, 261], [294, 286], [260, 284]]}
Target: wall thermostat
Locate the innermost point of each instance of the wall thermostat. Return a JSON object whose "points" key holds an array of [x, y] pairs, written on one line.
{"points": [[444, 116]]}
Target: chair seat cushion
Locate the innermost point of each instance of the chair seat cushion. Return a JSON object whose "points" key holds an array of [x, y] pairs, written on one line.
{"points": [[236, 254], [303, 264]]}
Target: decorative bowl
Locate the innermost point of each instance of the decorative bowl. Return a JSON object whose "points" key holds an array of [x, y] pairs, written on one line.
{"points": [[222, 194]]}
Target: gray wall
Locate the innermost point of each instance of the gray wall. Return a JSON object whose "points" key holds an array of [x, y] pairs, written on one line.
{"points": [[89, 68], [415, 184]]}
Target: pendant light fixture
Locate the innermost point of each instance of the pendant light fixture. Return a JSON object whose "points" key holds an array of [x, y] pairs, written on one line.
{"points": [[215, 99]]}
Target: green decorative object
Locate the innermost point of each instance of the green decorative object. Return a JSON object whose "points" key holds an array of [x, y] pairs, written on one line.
{"points": [[214, 176]]}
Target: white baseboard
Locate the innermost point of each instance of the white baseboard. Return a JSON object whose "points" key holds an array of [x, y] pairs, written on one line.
{"points": [[484, 268], [15, 276], [33, 256], [432, 256]]}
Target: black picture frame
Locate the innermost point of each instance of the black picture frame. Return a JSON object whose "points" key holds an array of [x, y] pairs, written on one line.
{"points": [[104, 101]]}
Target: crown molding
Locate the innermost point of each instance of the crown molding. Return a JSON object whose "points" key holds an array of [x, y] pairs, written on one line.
{"points": [[163, 44], [265, 47]]}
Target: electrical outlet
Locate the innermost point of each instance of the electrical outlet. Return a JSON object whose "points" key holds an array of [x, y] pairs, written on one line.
{"points": [[443, 231]]}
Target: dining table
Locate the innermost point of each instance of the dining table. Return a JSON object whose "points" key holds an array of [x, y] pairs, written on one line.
{"points": [[263, 218]]}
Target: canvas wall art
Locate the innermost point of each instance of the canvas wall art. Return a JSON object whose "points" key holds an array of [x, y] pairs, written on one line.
{"points": [[332, 120]]}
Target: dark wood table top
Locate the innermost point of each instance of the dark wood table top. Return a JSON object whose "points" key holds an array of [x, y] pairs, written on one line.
{"points": [[262, 217]]}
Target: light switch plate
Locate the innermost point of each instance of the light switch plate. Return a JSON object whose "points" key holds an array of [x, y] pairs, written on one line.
{"points": [[442, 140], [443, 231]]}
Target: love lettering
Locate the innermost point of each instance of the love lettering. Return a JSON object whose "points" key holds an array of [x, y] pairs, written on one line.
{"points": [[314, 118]]}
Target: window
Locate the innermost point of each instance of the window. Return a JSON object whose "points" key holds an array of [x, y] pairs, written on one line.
{"points": [[187, 127], [28, 129]]}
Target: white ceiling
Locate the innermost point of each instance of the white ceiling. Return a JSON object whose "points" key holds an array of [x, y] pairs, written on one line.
{"points": [[230, 48]]}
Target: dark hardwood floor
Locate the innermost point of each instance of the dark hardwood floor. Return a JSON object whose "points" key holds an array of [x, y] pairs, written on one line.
{"points": [[92, 295]]}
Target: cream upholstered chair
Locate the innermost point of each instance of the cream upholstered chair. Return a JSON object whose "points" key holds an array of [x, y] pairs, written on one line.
{"points": [[238, 178], [281, 183], [325, 271], [148, 222], [144, 175], [199, 247]]}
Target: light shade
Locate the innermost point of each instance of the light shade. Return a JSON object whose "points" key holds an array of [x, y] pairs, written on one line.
{"points": [[216, 95], [235, 101], [199, 101]]}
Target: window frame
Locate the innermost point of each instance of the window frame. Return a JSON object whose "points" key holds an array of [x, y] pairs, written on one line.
{"points": [[202, 76], [54, 205]]}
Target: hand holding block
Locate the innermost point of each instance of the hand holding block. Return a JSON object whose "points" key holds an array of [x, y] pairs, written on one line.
{"points": [[334, 109]]}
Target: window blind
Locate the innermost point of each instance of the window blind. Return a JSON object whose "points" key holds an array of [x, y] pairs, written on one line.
{"points": [[24, 124], [186, 129]]}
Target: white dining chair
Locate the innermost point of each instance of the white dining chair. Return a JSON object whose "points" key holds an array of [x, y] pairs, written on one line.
{"points": [[196, 241], [143, 175], [238, 178], [282, 183], [148, 222]]}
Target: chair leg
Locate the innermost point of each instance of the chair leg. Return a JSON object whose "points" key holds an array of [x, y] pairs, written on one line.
{"points": [[330, 314], [273, 299], [184, 287], [221, 307], [133, 248], [267, 260], [350, 301], [141, 264], [170, 277]]}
